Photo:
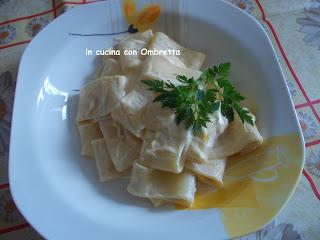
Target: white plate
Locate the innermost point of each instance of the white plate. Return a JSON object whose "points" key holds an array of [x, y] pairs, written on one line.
{"points": [[58, 191]]}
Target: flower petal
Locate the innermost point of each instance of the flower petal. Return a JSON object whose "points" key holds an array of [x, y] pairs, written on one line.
{"points": [[312, 5], [314, 16], [307, 21], [313, 161], [310, 29], [313, 157], [129, 11], [147, 16], [312, 39]]}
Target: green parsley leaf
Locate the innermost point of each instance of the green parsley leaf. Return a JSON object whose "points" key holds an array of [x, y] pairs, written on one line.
{"points": [[196, 99]]}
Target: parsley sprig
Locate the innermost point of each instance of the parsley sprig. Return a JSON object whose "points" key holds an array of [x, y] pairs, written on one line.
{"points": [[195, 99]]}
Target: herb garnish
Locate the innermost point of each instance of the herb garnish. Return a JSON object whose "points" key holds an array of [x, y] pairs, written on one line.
{"points": [[195, 99]]}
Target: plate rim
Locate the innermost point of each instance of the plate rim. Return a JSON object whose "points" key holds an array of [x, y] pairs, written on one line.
{"points": [[19, 85]]}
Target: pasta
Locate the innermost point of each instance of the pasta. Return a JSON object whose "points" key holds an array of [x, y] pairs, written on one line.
{"points": [[157, 202], [160, 67], [131, 109], [188, 58], [238, 138], [110, 65], [210, 172], [135, 43], [106, 170], [123, 147], [163, 150], [88, 132], [202, 144], [127, 133], [100, 96], [155, 184]]}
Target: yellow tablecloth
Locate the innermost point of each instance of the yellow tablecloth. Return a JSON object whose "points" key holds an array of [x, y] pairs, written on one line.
{"points": [[294, 28]]}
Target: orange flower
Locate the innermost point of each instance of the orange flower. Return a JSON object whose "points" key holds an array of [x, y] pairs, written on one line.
{"points": [[129, 11], [140, 21], [147, 17]]}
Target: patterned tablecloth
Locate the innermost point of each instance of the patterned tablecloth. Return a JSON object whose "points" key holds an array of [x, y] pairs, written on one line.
{"points": [[294, 28]]}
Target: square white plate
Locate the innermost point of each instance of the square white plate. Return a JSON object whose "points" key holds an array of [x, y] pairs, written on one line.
{"points": [[58, 191]]}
